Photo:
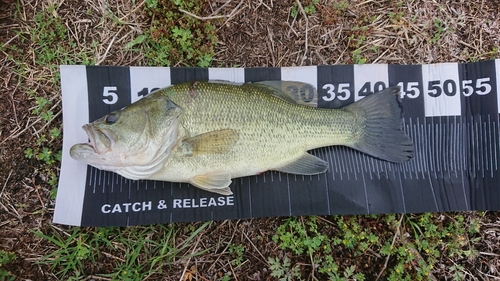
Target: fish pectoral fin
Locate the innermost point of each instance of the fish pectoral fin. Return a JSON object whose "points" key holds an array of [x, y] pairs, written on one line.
{"points": [[214, 142], [305, 165], [217, 182]]}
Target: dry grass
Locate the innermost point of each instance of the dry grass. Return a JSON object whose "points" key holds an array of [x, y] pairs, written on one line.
{"points": [[251, 33]]}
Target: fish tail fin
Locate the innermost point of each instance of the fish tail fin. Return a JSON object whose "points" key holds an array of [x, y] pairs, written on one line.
{"points": [[381, 135]]}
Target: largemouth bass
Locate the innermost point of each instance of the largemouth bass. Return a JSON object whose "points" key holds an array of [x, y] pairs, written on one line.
{"points": [[207, 133]]}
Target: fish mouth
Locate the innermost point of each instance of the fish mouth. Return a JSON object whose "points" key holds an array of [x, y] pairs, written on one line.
{"points": [[100, 140]]}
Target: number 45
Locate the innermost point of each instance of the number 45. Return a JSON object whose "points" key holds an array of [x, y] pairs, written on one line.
{"points": [[412, 91]]}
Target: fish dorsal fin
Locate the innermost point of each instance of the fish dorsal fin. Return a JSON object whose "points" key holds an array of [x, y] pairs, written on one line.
{"points": [[292, 91], [217, 182], [227, 82], [214, 142], [305, 165]]}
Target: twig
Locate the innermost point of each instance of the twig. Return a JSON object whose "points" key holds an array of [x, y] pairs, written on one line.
{"points": [[5, 184], [135, 9], [489, 254], [46, 124], [396, 235], [109, 47], [233, 13], [232, 270], [256, 249], [203, 18], [307, 28], [189, 259]]}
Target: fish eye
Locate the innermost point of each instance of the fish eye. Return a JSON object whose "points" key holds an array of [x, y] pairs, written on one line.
{"points": [[111, 118]]}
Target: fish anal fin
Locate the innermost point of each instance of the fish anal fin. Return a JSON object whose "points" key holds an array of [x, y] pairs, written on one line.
{"points": [[214, 142], [217, 182], [306, 165]]}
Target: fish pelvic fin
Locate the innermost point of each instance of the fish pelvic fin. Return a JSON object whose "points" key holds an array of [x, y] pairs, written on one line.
{"points": [[307, 164], [381, 135], [217, 182]]}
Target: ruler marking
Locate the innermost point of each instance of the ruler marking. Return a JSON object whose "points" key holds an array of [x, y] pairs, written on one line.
{"points": [[491, 138], [90, 176], [342, 162], [356, 162], [95, 180], [327, 195], [405, 165], [425, 144], [250, 197], [112, 181], [495, 147], [416, 161], [289, 197], [410, 164], [450, 147], [104, 181], [402, 193], [100, 176], [338, 158], [366, 196], [345, 159], [388, 169], [358, 165], [375, 167], [420, 146], [433, 193], [351, 163], [476, 145], [129, 188], [453, 145], [432, 148], [480, 145], [364, 158], [465, 192], [438, 145], [465, 144], [334, 160]]}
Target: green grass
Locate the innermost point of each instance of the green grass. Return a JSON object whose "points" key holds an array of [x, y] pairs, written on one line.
{"points": [[175, 38], [412, 244], [130, 253], [6, 258], [330, 247]]}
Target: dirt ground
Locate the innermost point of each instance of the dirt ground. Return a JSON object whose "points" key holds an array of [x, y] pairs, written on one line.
{"points": [[251, 33]]}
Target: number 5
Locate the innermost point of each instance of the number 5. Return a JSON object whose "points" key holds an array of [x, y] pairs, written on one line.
{"points": [[109, 96]]}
